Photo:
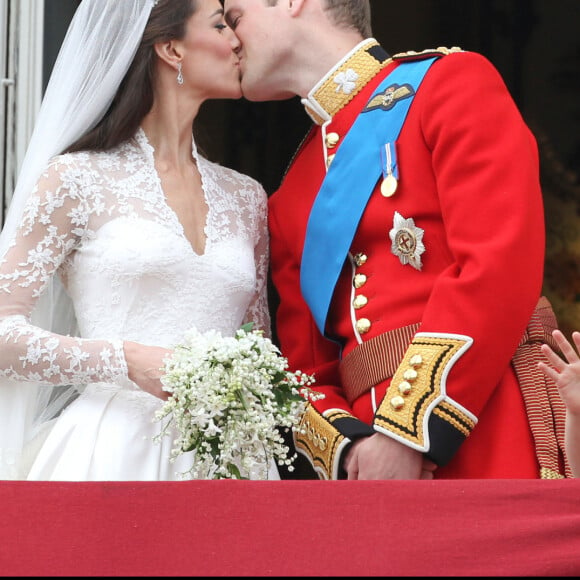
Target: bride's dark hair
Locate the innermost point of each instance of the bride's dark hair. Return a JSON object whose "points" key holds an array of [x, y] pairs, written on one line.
{"points": [[134, 97]]}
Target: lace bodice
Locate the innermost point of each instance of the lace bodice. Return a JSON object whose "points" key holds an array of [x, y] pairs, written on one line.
{"points": [[101, 222]]}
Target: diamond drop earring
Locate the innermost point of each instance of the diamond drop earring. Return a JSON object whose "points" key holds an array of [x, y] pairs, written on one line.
{"points": [[179, 75]]}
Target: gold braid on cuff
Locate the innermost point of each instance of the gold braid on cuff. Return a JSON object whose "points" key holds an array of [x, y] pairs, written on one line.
{"points": [[320, 441], [418, 390]]}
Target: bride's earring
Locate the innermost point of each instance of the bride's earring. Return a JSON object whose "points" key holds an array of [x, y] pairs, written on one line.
{"points": [[179, 75]]}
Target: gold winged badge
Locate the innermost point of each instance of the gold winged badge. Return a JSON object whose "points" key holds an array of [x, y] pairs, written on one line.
{"points": [[390, 97]]}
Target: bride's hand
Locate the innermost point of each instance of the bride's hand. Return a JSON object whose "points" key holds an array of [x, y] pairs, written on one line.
{"points": [[144, 364]]}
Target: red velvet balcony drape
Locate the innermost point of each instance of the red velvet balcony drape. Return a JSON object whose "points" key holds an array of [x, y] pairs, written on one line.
{"points": [[291, 528]]}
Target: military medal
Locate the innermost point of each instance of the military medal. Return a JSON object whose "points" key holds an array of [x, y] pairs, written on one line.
{"points": [[390, 171], [407, 241], [389, 185]]}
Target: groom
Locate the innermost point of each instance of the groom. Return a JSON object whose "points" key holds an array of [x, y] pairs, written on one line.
{"points": [[407, 248]]}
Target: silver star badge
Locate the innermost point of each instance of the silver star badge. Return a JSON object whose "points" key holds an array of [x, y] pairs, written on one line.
{"points": [[407, 241]]}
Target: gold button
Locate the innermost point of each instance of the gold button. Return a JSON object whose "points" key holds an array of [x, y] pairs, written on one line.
{"points": [[360, 301], [360, 259], [317, 440], [332, 140], [363, 325], [329, 160], [405, 388], [397, 403], [416, 360], [360, 280], [410, 375]]}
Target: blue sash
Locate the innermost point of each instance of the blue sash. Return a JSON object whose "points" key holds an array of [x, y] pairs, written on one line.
{"points": [[348, 185]]}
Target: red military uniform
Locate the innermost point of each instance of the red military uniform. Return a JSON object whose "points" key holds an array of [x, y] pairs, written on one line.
{"points": [[452, 312]]}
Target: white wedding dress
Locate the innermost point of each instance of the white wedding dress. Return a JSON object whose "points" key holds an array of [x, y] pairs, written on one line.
{"points": [[101, 222]]}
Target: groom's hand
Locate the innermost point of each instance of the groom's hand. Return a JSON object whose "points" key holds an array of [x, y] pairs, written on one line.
{"points": [[381, 457]]}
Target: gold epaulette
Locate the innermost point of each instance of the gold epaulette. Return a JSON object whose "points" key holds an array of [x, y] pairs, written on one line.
{"points": [[427, 53]]}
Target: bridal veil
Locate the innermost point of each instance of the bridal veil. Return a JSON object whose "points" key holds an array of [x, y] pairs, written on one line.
{"points": [[96, 53]]}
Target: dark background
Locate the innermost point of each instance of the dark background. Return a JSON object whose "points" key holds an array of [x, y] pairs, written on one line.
{"points": [[535, 44]]}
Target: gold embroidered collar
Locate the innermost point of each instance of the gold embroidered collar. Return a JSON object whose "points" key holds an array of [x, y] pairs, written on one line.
{"points": [[345, 80]]}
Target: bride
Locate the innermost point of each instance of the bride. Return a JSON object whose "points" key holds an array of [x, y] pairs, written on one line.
{"points": [[120, 237]]}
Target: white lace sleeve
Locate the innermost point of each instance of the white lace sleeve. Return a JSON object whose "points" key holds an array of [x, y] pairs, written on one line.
{"points": [[258, 310], [53, 225]]}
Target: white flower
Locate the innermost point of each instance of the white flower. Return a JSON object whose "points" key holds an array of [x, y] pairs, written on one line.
{"points": [[229, 397]]}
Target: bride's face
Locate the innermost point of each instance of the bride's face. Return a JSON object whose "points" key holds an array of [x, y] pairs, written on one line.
{"points": [[210, 63]]}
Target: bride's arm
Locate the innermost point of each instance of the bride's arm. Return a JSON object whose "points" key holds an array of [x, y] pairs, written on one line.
{"points": [[258, 310], [53, 224]]}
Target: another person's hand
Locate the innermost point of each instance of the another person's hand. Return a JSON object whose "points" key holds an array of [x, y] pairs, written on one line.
{"points": [[566, 375], [144, 364], [381, 457]]}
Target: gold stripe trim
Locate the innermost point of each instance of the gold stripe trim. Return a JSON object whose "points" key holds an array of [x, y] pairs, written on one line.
{"points": [[452, 416]]}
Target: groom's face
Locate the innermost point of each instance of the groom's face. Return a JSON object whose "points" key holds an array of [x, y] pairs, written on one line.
{"points": [[262, 29]]}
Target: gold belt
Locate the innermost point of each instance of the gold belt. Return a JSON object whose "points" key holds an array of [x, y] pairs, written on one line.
{"points": [[374, 361]]}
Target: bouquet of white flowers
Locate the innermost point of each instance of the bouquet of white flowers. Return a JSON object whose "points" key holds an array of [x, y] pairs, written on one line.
{"points": [[230, 397]]}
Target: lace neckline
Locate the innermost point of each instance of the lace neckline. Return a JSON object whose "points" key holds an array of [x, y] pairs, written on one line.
{"points": [[148, 151]]}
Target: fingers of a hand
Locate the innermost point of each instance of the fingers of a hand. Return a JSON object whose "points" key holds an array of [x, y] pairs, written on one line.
{"points": [[351, 468], [352, 475], [549, 371], [426, 474], [348, 465], [565, 346], [429, 465], [553, 358]]}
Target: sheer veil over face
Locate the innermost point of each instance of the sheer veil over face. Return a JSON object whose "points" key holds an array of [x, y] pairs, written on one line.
{"points": [[97, 51]]}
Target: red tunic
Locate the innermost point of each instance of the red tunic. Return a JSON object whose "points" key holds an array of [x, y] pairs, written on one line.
{"points": [[469, 178]]}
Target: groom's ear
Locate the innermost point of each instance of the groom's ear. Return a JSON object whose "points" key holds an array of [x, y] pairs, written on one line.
{"points": [[295, 6]]}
